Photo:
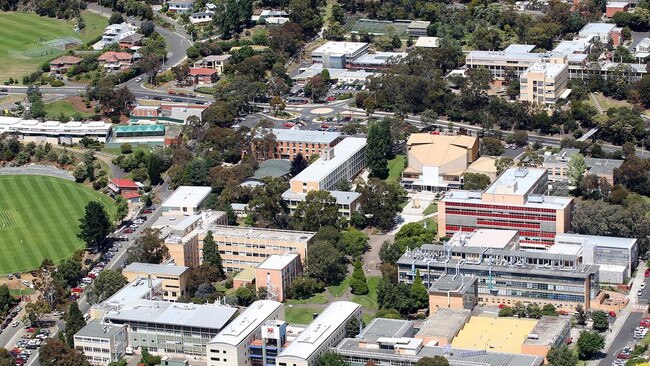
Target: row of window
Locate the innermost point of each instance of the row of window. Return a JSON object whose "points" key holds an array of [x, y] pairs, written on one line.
{"points": [[498, 207], [509, 224], [522, 216]]}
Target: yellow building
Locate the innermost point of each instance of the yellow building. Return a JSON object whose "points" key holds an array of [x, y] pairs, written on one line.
{"points": [[438, 162], [544, 83], [174, 278]]}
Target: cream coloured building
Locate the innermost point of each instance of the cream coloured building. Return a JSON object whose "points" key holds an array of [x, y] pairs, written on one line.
{"points": [[231, 346], [174, 278], [438, 162], [544, 83]]}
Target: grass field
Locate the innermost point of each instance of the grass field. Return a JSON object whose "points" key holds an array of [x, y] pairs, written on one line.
{"points": [[395, 167], [55, 109], [22, 34], [39, 219]]}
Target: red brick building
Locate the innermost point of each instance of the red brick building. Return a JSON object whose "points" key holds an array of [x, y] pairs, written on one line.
{"points": [[202, 75]]}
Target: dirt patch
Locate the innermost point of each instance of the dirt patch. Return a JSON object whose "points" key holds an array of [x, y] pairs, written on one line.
{"points": [[79, 104]]}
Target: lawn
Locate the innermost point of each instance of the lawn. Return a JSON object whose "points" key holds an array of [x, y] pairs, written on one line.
{"points": [[39, 219], [316, 299], [340, 289], [432, 208], [22, 292], [395, 167], [300, 315], [22, 36], [117, 150], [368, 301], [62, 107]]}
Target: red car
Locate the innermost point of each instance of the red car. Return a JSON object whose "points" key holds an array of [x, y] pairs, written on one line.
{"points": [[647, 272], [623, 356], [76, 290], [612, 314], [30, 330], [147, 211], [92, 275], [128, 231], [289, 124]]}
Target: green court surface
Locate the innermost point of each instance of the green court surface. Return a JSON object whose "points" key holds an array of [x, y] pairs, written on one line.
{"points": [[26, 40], [39, 218]]}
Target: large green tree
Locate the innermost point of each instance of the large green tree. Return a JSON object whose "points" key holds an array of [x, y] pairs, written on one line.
{"points": [[148, 248], [106, 285], [325, 263], [562, 356], [95, 225], [379, 147], [211, 254], [432, 361], [577, 168], [57, 353], [330, 358], [358, 283], [419, 293], [154, 169], [600, 322], [317, 210], [298, 165], [73, 323], [589, 343], [475, 181], [355, 242], [380, 202], [122, 208]]}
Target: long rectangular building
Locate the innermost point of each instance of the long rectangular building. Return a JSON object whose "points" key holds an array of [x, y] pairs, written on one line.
{"points": [[290, 143], [54, 131], [515, 201], [506, 276]]}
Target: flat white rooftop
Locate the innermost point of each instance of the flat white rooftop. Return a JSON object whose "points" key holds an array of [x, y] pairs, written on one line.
{"points": [[309, 136], [163, 269], [320, 330], [261, 234], [427, 42], [521, 180], [599, 241], [549, 70], [339, 48], [186, 196], [321, 168], [14, 124], [596, 29], [246, 323], [489, 238], [277, 261]]}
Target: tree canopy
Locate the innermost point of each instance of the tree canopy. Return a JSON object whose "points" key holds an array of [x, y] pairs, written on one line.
{"points": [[95, 225]]}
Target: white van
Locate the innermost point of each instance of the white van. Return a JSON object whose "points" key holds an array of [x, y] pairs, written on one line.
{"points": [[129, 350]]}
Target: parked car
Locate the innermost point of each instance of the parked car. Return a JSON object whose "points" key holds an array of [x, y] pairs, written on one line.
{"points": [[642, 287], [15, 324]]}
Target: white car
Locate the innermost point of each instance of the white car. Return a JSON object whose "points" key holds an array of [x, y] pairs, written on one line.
{"points": [[134, 226], [639, 293], [642, 286], [15, 324]]}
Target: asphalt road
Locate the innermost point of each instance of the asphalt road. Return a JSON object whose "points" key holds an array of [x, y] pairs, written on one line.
{"points": [[625, 337]]}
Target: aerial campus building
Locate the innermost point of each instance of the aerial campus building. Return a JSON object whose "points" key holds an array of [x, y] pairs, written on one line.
{"points": [[340, 163], [174, 278], [163, 327], [101, 343], [544, 83], [392, 342], [506, 276], [55, 132], [558, 166], [185, 200], [290, 143], [515, 201]]}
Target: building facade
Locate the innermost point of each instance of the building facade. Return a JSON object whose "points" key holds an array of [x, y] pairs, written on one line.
{"points": [[174, 278], [506, 276], [544, 83], [101, 343], [55, 132], [515, 201], [185, 200], [290, 143], [215, 62], [231, 347], [276, 274], [558, 166]]}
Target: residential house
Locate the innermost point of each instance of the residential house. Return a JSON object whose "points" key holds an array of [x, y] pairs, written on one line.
{"points": [[126, 188], [214, 62], [113, 34], [131, 42], [60, 66], [115, 60], [616, 7], [200, 17], [180, 6], [202, 76]]}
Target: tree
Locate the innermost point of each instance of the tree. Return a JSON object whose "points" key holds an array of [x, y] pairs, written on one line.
{"points": [[379, 147], [419, 293], [277, 104], [503, 163], [304, 287], [330, 358], [589, 343], [298, 165], [105, 285], [56, 353], [148, 359], [116, 18], [352, 327], [380, 202], [147, 28], [68, 271], [306, 15], [562, 356], [245, 295], [317, 210], [432, 361], [520, 138], [492, 146], [122, 208], [126, 148], [316, 88], [549, 310], [581, 317], [475, 181], [355, 242], [577, 168], [599, 319], [533, 311], [325, 263], [95, 225], [211, 254], [506, 311], [73, 323], [79, 173], [358, 283], [154, 169], [148, 248]]}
